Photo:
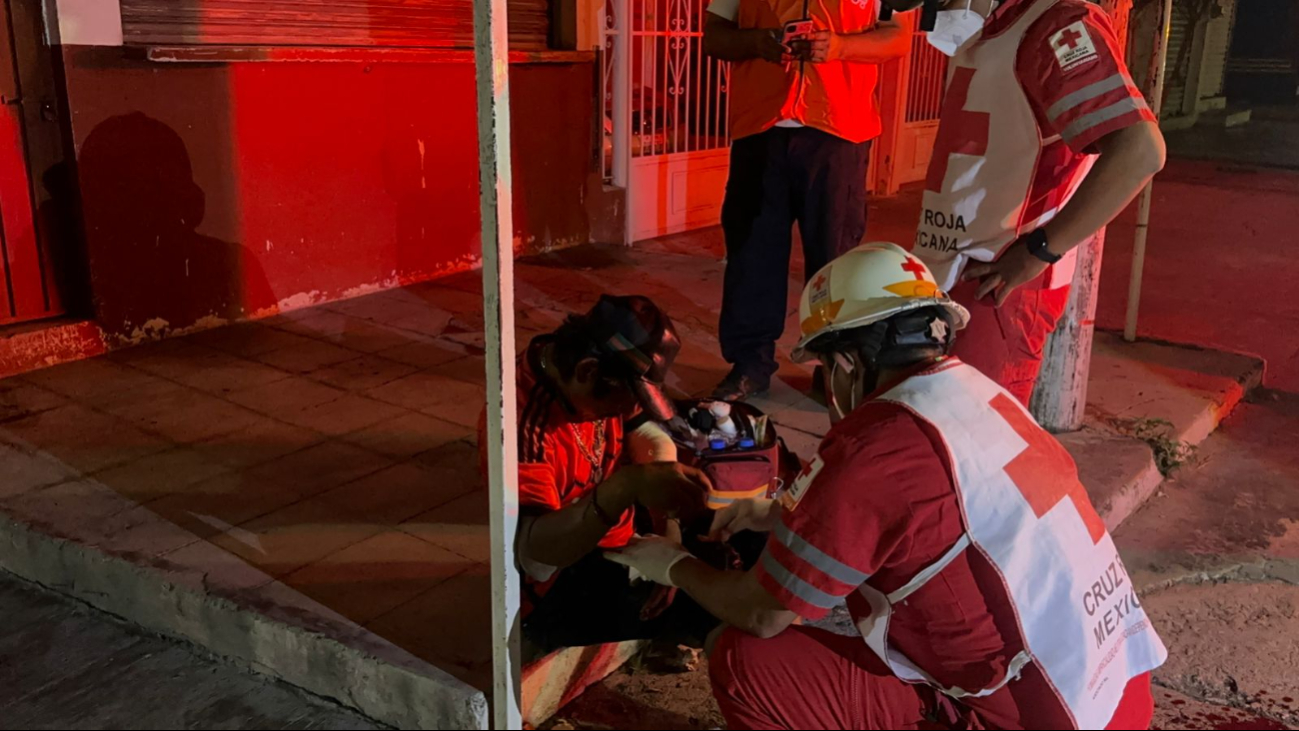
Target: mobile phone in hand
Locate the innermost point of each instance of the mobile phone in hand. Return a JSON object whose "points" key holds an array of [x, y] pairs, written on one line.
{"points": [[797, 30], [796, 37]]}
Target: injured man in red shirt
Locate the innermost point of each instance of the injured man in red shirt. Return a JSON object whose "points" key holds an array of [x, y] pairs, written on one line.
{"points": [[595, 468], [985, 588]]}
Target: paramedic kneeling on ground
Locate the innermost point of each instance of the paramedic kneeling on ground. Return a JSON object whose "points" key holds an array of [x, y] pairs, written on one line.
{"points": [[985, 586]]}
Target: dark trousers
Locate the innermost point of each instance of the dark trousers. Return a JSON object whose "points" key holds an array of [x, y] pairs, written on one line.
{"points": [[593, 601], [778, 178]]}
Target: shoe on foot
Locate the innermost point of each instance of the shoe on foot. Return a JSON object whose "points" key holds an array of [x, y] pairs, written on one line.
{"points": [[739, 386]]}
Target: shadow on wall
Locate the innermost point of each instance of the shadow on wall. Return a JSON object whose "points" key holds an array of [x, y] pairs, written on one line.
{"points": [[151, 270]]}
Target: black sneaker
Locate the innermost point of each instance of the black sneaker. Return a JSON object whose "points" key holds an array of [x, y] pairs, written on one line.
{"points": [[738, 386]]}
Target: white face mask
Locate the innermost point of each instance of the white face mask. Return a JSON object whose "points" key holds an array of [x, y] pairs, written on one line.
{"points": [[953, 29], [845, 385]]}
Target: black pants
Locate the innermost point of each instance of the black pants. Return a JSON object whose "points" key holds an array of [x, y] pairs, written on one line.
{"points": [[777, 178], [593, 602]]}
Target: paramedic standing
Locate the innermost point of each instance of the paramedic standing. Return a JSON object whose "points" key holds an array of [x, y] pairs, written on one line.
{"points": [[985, 587], [802, 115], [1042, 141]]}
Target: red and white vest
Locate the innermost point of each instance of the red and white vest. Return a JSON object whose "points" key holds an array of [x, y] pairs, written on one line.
{"points": [[1025, 511], [985, 159]]}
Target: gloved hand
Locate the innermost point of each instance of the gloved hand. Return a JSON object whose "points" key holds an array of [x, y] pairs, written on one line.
{"points": [[651, 556], [755, 514]]}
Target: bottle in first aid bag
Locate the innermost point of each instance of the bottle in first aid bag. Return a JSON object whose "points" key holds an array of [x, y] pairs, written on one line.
{"points": [[721, 412]]}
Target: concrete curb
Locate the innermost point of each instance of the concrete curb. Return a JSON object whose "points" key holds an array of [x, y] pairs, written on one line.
{"points": [[552, 682], [1193, 389], [301, 643]]}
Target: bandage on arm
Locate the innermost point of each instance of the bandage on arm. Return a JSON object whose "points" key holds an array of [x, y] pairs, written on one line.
{"points": [[650, 442]]}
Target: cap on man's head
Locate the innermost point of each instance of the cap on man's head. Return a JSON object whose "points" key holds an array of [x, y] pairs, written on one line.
{"points": [[636, 333]]}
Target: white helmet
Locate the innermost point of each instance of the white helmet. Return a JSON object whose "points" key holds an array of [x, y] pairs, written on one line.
{"points": [[873, 282]]}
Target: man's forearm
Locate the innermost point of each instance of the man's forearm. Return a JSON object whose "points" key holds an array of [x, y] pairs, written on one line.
{"points": [[725, 41], [563, 537], [734, 597], [885, 42], [1129, 158]]}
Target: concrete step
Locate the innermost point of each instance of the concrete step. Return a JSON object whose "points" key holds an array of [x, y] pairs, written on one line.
{"points": [[71, 538], [1149, 405]]}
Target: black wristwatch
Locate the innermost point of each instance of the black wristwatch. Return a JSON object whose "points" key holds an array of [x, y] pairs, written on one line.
{"points": [[1036, 243]]}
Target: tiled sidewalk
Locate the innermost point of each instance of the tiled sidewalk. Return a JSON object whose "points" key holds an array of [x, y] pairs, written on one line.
{"points": [[332, 448]]}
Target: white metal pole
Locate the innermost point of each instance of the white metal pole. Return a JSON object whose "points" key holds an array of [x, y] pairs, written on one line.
{"points": [[492, 67], [1143, 213], [621, 92], [622, 55]]}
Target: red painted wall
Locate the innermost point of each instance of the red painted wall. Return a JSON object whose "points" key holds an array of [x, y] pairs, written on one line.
{"points": [[222, 190]]}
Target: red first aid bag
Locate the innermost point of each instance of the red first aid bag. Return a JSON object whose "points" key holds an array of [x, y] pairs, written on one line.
{"points": [[738, 473]]}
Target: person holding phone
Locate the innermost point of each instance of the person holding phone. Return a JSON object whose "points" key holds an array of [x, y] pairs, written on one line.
{"points": [[802, 116]]}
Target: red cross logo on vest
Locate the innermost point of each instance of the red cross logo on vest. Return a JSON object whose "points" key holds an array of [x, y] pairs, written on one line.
{"points": [[1069, 38], [1043, 472], [820, 281], [961, 132]]}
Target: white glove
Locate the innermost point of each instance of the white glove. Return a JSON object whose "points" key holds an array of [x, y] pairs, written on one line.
{"points": [[651, 556], [755, 514]]}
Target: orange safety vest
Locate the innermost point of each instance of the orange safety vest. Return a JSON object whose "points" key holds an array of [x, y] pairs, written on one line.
{"points": [[834, 97]]}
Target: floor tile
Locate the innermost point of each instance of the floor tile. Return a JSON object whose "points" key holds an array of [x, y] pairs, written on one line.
{"points": [[460, 526], [26, 471], [363, 373], [187, 416], [19, 398], [224, 574], [459, 402], [248, 339], [375, 576], [408, 435], [472, 369], [217, 504], [420, 390], [345, 415], [71, 509], [450, 623], [287, 539], [87, 380], [395, 494], [224, 374], [83, 439], [457, 463], [290, 396], [319, 468], [140, 533], [265, 440], [157, 475], [307, 357], [426, 354]]}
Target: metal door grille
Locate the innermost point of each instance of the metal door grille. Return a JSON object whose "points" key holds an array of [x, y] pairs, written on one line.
{"points": [[678, 95], [925, 85]]}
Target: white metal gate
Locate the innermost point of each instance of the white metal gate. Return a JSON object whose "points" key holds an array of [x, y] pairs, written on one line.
{"points": [[672, 101], [911, 99]]}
